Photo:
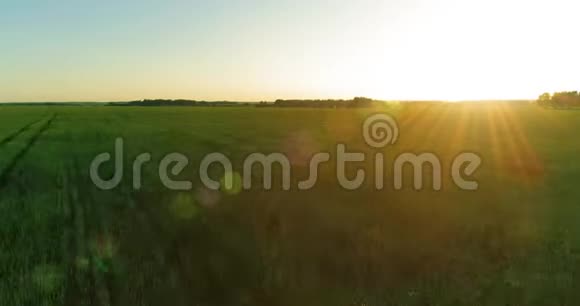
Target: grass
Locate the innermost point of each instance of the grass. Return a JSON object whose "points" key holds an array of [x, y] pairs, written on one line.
{"points": [[65, 242]]}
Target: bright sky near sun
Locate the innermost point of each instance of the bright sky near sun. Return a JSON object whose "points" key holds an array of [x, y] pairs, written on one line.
{"points": [[254, 50]]}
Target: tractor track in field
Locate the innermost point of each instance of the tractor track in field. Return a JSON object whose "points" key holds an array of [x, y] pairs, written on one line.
{"points": [[21, 130], [7, 171], [71, 256], [102, 292], [86, 284]]}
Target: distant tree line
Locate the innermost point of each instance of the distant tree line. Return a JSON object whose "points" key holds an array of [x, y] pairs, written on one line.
{"points": [[564, 99], [358, 102], [180, 102]]}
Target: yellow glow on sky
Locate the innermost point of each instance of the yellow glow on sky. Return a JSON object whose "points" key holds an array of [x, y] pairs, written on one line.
{"points": [[251, 51]]}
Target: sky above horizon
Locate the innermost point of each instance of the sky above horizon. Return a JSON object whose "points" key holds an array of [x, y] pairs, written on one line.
{"points": [[263, 50]]}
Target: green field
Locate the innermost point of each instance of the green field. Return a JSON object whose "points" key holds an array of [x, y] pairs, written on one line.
{"points": [[515, 241]]}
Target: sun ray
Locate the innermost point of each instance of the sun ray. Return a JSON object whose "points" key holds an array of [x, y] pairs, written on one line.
{"points": [[521, 161], [493, 136], [460, 129]]}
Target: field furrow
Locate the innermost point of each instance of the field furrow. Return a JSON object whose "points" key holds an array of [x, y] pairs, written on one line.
{"points": [[15, 134], [20, 149]]}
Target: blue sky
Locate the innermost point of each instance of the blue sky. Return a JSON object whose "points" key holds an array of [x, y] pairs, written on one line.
{"points": [[263, 50]]}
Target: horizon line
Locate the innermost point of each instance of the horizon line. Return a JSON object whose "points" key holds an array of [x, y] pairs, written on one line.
{"points": [[272, 101]]}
